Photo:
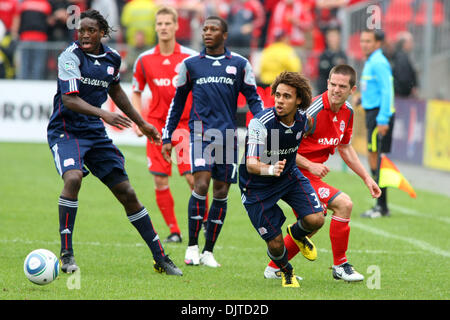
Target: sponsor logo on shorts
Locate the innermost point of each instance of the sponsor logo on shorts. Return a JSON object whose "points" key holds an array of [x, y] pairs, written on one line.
{"points": [[200, 162], [324, 193], [262, 231], [69, 162]]}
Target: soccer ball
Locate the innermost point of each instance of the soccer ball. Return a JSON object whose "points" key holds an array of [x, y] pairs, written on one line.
{"points": [[41, 266]]}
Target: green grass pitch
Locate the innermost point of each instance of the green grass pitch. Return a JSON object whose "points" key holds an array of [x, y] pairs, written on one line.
{"points": [[406, 256]]}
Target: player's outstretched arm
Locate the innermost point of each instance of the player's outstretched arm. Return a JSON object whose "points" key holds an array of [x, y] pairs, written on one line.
{"points": [[120, 98], [77, 104], [136, 100], [350, 157]]}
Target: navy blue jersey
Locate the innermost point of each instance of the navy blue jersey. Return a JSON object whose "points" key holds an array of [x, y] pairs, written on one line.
{"points": [[89, 76], [270, 140], [215, 83]]}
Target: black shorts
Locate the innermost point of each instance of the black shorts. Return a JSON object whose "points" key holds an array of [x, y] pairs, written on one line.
{"points": [[373, 141]]}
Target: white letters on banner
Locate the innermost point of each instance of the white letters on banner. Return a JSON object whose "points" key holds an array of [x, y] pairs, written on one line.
{"points": [[26, 106]]}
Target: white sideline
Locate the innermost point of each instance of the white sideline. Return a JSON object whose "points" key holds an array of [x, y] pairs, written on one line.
{"points": [[415, 242], [413, 213]]}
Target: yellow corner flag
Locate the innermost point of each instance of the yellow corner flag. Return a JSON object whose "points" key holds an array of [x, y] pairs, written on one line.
{"points": [[390, 176]]}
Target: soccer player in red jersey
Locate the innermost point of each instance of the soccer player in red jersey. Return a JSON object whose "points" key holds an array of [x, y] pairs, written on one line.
{"points": [[158, 68], [332, 128]]}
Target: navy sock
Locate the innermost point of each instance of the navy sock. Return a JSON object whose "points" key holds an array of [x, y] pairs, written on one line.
{"points": [[282, 261], [67, 213], [216, 217], [299, 231], [196, 211], [142, 222]]}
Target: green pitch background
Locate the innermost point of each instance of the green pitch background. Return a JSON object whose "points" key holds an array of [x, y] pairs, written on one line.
{"points": [[406, 256]]}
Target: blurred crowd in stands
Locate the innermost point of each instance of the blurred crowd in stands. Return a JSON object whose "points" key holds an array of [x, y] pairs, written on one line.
{"points": [[295, 35]]}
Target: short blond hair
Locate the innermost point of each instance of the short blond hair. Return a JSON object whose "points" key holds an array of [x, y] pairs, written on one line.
{"points": [[168, 10]]}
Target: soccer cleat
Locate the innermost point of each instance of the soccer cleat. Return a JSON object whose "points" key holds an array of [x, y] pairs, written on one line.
{"points": [[375, 212], [166, 265], [274, 273], [207, 259], [289, 280], [192, 256], [68, 264], [346, 272], [173, 238], [306, 246]]}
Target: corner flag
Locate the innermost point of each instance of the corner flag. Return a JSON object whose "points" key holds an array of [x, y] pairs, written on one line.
{"points": [[390, 176]]}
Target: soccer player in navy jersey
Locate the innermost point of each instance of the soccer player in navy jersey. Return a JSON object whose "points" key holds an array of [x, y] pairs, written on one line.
{"points": [[87, 72], [215, 77], [269, 172], [332, 130]]}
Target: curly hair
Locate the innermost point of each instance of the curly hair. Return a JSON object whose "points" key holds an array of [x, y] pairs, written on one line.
{"points": [[299, 82], [102, 22], [222, 22]]}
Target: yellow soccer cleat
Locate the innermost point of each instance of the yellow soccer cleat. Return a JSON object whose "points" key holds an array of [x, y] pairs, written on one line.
{"points": [[306, 246], [289, 280]]}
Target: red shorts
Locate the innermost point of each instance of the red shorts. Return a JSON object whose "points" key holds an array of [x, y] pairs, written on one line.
{"points": [[156, 163], [325, 192]]}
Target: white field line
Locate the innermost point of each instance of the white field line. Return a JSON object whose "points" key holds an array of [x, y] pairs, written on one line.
{"points": [[415, 242], [135, 245], [414, 213]]}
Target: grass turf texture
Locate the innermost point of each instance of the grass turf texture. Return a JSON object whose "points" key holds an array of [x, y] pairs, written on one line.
{"points": [[410, 249]]}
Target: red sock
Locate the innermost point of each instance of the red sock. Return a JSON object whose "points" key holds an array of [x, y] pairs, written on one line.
{"points": [[339, 234], [205, 216], [165, 203], [291, 247]]}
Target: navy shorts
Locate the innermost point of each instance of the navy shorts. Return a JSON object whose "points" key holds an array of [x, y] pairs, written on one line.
{"points": [[99, 155], [217, 157], [265, 214]]}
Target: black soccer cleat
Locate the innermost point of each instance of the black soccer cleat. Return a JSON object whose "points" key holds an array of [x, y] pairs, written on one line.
{"points": [[173, 237], [166, 265], [68, 264]]}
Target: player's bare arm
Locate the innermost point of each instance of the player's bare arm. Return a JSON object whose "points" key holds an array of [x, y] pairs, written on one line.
{"points": [[136, 100], [120, 98], [317, 169], [77, 104], [350, 157], [254, 166]]}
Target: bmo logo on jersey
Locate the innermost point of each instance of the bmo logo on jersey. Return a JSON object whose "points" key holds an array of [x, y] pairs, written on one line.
{"points": [[165, 82], [328, 141]]}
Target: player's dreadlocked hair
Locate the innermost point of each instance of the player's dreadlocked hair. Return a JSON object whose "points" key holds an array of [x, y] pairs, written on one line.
{"points": [[297, 81], [102, 23]]}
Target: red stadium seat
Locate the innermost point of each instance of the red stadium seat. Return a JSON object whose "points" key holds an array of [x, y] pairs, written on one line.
{"points": [[398, 14], [438, 14], [354, 48]]}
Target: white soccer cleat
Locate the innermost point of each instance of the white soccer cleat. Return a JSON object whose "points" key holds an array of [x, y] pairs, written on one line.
{"points": [[346, 272], [207, 259], [275, 273], [192, 256]]}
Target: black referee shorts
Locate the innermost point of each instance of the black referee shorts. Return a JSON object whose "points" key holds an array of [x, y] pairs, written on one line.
{"points": [[373, 141]]}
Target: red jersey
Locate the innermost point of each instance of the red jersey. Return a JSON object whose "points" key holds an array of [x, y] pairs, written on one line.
{"points": [[330, 129], [160, 74]]}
